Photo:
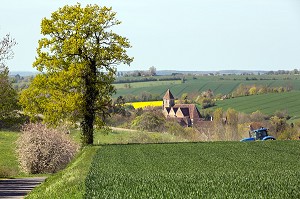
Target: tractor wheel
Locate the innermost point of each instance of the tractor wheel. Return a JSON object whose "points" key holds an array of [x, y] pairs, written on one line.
{"points": [[270, 139]]}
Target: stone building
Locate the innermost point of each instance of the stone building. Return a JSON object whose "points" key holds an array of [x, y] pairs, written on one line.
{"points": [[186, 114]]}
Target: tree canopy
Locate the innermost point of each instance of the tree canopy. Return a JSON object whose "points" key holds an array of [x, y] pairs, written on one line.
{"points": [[9, 98], [77, 59]]}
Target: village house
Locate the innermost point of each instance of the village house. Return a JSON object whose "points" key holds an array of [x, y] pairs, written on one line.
{"points": [[185, 114]]}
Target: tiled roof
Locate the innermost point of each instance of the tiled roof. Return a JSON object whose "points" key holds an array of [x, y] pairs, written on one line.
{"points": [[185, 111], [168, 95], [168, 109], [192, 109]]}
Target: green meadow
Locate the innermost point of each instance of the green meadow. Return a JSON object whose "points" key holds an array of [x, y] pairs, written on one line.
{"points": [[266, 103]]}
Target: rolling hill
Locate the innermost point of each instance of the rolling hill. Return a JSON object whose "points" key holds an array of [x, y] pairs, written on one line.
{"points": [[266, 103], [218, 84]]}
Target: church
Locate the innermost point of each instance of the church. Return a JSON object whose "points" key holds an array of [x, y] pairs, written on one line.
{"points": [[186, 114]]}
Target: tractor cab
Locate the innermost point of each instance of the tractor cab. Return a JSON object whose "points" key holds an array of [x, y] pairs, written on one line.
{"points": [[258, 134]]}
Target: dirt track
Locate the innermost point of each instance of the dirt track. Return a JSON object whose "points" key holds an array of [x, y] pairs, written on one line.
{"points": [[18, 188]]}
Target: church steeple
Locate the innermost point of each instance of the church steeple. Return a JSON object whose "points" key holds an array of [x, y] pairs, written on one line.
{"points": [[168, 99]]}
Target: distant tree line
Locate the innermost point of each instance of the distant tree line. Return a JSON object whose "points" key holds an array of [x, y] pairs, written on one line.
{"points": [[146, 79], [138, 73], [20, 82], [245, 90], [284, 72]]}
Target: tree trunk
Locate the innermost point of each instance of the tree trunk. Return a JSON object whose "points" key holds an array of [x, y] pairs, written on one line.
{"points": [[89, 111], [87, 125]]}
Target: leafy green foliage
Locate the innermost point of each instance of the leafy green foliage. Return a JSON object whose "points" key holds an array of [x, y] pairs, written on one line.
{"points": [[196, 170], [207, 102], [77, 58], [149, 121], [9, 97]]}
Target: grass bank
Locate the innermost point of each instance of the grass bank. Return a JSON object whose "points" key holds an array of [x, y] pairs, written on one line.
{"points": [[70, 182], [8, 159]]}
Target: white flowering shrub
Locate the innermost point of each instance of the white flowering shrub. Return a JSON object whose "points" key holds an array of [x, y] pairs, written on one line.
{"points": [[44, 150]]}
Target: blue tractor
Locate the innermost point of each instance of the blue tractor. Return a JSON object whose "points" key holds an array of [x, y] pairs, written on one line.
{"points": [[258, 134]]}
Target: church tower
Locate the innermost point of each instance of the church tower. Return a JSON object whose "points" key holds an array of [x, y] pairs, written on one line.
{"points": [[168, 100]]}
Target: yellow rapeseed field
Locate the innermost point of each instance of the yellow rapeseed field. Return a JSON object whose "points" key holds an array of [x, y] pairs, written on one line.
{"points": [[144, 104]]}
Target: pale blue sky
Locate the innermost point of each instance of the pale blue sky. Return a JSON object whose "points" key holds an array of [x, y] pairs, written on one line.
{"points": [[179, 35]]}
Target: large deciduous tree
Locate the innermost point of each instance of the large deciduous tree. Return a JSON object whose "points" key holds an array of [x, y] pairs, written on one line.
{"points": [[77, 59]]}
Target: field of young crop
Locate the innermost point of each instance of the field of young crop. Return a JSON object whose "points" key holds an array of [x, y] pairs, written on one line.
{"points": [[190, 86], [266, 103], [219, 85], [196, 170]]}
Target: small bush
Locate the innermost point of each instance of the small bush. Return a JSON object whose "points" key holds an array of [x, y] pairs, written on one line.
{"points": [[6, 172], [44, 150], [13, 121], [149, 121]]}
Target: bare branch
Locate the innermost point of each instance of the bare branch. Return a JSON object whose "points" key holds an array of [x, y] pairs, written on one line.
{"points": [[6, 52]]}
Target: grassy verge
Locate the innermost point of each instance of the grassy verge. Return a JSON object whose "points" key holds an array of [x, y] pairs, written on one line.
{"points": [[8, 160], [196, 170], [69, 183]]}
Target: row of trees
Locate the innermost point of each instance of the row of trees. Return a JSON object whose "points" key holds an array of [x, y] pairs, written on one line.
{"points": [[20, 83], [245, 90], [284, 72], [138, 73], [147, 79]]}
